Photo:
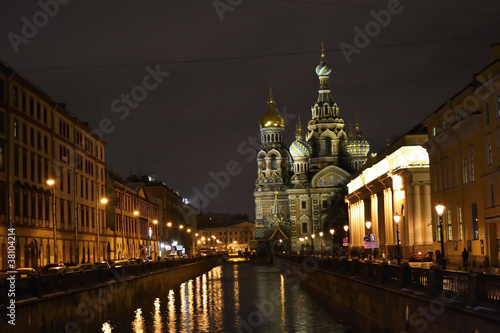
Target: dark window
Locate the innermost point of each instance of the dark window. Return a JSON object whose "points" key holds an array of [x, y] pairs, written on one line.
{"points": [[32, 107], [487, 113], [2, 158], [25, 165], [15, 97], [38, 140], [40, 208], [32, 137], [25, 204], [33, 206], [2, 90], [3, 201], [304, 228], [23, 101], [25, 134], [17, 203], [2, 122], [303, 204], [47, 209], [16, 160]]}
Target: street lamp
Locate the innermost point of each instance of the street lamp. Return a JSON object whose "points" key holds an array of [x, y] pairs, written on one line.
{"points": [[368, 225], [321, 235], [396, 220], [346, 228], [104, 201], [312, 242], [332, 231], [440, 211], [52, 183], [136, 214]]}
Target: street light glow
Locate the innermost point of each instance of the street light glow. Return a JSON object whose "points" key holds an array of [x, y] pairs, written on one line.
{"points": [[397, 218], [368, 225], [136, 212], [332, 231], [439, 209], [346, 227], [104, 201], [51, 182]]}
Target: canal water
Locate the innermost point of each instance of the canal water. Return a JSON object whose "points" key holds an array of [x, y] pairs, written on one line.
{"points": [[230, 298]]}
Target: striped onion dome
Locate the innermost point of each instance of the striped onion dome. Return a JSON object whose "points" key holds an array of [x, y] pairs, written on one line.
{"points": [[300, 148]]}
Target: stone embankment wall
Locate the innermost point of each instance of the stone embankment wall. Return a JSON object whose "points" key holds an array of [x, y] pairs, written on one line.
{"points": [[371, 306], [75, 305]]}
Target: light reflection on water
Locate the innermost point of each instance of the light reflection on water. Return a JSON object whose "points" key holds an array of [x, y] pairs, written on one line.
{"points": [[231, 298]]}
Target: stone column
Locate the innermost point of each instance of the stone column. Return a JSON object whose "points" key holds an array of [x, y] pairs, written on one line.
{"points": [[427, 214], [417, 215]]}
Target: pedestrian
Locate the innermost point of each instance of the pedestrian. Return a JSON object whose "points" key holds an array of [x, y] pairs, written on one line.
{"points": [[438, 257], [465, 258]]}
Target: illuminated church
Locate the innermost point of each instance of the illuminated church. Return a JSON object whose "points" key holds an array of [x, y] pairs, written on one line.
{"points": [[294, 184]]}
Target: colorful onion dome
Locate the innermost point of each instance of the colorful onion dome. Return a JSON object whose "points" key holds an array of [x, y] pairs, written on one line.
{"points": [[272, 118], [323, 69], [300, 147]]}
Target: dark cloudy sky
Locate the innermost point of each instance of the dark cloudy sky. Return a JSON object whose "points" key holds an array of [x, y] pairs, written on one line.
{"points": [[215, 67]]}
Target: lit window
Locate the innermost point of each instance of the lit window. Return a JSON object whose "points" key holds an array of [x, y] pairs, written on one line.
{"points": [[449, 224], [460, 223]]}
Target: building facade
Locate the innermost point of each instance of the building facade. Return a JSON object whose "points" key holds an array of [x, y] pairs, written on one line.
{"points": [[294, 185], [132, 221], [41, 141], [464, 150], [394, 182], [231, 238]]}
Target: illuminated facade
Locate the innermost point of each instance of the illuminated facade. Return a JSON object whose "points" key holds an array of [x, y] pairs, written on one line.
{"points": [[395, 181], [41, 140], [464, 149], [132, 221], [232, 238], [293, 186]]}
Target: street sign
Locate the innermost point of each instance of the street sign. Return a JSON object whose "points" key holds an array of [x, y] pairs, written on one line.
{"points": [[371, 245], [366, 239], [345, 244], [372, 237], [345, 240], [399, 239]]}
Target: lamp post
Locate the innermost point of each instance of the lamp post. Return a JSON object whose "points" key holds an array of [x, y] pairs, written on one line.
{"points": [[440, 211], [306, 238], [396, 220], [136, 214], [312, 242], [368, 225], [321, 236], [332, 231], [52, 183], [346, 228]]}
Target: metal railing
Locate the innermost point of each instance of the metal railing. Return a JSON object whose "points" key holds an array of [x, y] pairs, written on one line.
{"points": [[470, 288]]}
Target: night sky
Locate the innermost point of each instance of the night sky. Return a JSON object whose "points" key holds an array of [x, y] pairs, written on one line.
{"points": [[198, 77]]}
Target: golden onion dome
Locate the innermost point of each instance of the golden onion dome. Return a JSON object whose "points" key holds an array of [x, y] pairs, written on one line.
{"points": [[272, 118]]}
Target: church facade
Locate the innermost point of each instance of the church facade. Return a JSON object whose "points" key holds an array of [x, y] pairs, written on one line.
{"points": [[294, 184]]}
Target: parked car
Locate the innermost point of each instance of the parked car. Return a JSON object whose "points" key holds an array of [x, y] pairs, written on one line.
{"points": [[21, 272], [48, 266], [420, 256], [57, 270], [120, 263], [86, 267], [102, 265]]}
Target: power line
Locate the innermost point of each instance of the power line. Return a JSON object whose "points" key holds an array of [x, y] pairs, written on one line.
{"points": [[309, 2], [251, 57]]}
